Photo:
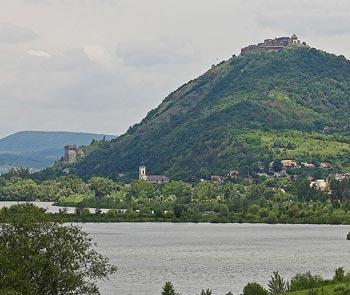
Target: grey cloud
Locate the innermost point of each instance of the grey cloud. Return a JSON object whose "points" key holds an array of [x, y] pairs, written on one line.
{"points": [[155, 53], [10, 33], [73, 2], [72, 85], [302, 16]]}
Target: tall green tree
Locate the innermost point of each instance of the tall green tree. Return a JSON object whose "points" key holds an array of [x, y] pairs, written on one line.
{"points": [[277, 284], [168, 289], [44, 258]]}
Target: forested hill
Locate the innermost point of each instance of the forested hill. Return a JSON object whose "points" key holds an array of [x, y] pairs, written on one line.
{"points": [[232, 116]]}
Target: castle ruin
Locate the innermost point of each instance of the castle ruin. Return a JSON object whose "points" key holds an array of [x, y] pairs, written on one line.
{"points": [[276, 44], [72, 154]]}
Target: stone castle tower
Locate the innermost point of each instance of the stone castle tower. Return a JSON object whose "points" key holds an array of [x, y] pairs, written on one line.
{"points": [[72, 154]]}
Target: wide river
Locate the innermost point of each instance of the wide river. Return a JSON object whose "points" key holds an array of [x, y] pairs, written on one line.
{"points": [[223, 257]]}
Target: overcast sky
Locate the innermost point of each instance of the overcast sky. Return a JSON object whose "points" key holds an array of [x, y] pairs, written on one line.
{"points": [[101, 65]]}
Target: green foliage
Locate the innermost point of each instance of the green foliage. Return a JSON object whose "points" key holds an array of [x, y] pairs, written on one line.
{"points": [[339, 274], [168, 289], [38, 258], [342, 291], [101, 186], [254, 289], [305, 281], [272, 200], [277, 284]]}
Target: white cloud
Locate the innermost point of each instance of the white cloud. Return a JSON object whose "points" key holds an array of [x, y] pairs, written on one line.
{"points": [[39, 53], [98, 54]]}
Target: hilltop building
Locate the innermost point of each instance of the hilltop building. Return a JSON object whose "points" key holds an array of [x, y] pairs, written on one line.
{"points": [[72, 154], [156, 179], [276, 44]]}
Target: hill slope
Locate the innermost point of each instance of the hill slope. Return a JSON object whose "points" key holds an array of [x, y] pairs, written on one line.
{"points": [[38, 149], [231, 117]]}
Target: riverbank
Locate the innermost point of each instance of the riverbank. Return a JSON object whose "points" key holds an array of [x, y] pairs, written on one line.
{"points": [[77, 214]]}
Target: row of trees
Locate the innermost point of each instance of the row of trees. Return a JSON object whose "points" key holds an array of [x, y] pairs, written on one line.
{"points": [[271, 200], [277, 285]]}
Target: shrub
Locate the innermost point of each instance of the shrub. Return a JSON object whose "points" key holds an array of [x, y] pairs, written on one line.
{"points": [[339, 274], [305, 281], [254, 289]]}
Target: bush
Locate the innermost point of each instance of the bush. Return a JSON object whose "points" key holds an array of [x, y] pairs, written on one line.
{"points": [[254, 289], [348, 236], [339, 274], [305, 281], [342, 291]]}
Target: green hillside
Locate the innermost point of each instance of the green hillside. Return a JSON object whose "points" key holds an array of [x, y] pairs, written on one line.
{"points": [[232, 116]]}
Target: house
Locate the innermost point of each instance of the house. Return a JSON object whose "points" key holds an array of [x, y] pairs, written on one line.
{"points": [[338, 176], [233, 174], [216, 179], [287, 164], [156, 179], [320, 184], [326, 165]]}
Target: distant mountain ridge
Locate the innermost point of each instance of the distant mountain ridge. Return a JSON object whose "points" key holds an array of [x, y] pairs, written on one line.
{"points": [[40, 149]]}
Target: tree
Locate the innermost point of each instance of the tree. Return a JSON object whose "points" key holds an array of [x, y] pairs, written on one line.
{"points": [[40, 258], [277, 166], [206, 292], [303, 281], [339, 274], [168, 289], [277, 285], [254, 289], [102, 186]]}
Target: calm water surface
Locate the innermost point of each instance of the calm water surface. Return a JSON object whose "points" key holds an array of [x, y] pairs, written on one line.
{"points": [[223, 257]]}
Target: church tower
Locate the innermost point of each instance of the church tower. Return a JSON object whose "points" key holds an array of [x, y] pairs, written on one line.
{"points": [[142, 172]]}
